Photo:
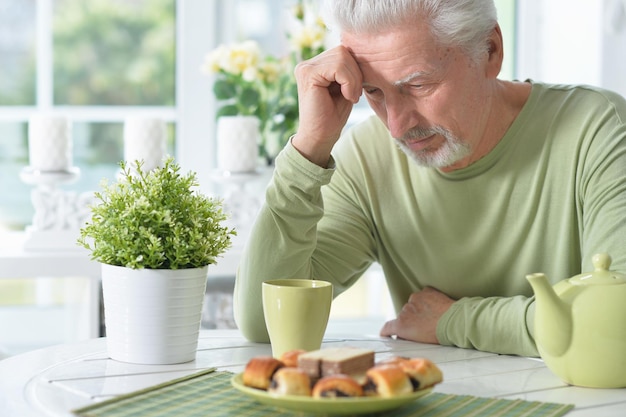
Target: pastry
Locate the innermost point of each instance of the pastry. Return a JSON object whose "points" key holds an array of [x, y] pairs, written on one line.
{"points": [[340, 372], [335, 386], [290, 381], [422, 372], [290, 358], [260, 370], [334, 361], [387, 381]]}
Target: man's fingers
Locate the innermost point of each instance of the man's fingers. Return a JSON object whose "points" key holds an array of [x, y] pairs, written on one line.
{"points": [[389, 328], [333, 67]]}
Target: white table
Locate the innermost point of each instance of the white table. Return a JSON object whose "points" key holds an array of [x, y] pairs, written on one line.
{"points": [[52, 381]]}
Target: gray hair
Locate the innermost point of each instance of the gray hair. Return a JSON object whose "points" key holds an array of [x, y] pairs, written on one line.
{"points": [[463, 23]]}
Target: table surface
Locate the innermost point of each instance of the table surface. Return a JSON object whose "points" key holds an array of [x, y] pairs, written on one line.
{"points": [[55, 380]]}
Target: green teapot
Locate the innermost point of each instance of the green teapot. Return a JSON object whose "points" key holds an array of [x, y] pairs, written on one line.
{"points": [[580, 326]]}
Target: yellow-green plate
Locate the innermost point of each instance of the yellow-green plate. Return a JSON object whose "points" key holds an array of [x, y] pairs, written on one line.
{"points": [[361, 405]]}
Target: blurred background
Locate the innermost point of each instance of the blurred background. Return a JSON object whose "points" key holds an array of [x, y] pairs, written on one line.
{"points": [[99, 61]]}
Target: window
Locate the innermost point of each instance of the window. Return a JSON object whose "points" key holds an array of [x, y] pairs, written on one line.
{"points": [[94, 62]]}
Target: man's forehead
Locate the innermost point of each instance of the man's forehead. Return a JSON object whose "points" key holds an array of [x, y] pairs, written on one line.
{"points": [[399, 46], [401, 69]]}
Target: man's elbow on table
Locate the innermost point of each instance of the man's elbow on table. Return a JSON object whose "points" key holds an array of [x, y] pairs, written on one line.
{"points": [[251, 326], [253, 331]]}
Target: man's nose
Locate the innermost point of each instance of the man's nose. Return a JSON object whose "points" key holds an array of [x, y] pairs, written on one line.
{"points": [[402, 114]]}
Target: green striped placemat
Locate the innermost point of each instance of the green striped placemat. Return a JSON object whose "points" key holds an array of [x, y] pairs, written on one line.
{"points": [[210, 393]]}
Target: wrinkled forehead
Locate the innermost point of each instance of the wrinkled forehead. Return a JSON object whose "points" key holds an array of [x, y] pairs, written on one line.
{"points": [[412, 32], [403, 44]]}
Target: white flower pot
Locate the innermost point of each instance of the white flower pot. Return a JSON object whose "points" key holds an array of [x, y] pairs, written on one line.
{"points": [[152, 316], [238, 140]]}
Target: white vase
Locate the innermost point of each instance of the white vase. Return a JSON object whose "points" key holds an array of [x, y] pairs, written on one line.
{"points": [[238, 140], [153, 316]]}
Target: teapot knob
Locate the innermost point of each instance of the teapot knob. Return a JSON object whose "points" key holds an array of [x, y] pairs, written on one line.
{"points": [[602, 275], [601, 261]]}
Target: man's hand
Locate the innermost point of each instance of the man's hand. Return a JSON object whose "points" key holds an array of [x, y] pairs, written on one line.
{"points": [[328, 86], [419, 316]]}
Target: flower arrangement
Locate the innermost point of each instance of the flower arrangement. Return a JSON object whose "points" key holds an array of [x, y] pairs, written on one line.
{"points": [[155, 220], [249, 83]]}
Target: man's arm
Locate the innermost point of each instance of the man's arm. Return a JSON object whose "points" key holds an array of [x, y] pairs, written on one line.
{"points": [[432, 317], [419, 316], [284, 237], [294, 237], [328, 86]]}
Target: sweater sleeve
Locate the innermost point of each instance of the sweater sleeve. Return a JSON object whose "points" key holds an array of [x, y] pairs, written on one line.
{"points": [[295, 237], [282, 237], [509, 321]]}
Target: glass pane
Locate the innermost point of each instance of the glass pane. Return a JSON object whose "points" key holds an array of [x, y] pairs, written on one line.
{"points": [[17, 52], [15, 208], [97, 150], [264, 22], [114, 52]]}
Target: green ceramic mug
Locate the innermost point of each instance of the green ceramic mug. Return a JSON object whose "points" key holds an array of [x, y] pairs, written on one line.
{"points": [[296, 313]]}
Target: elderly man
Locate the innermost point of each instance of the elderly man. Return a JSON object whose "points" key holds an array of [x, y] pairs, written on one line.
{"points": [[459, 186]]}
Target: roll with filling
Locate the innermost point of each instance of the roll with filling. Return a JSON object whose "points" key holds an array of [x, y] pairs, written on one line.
{"points": [[290, 358], [290, 381], [387, 381], [422, 372], [337, 386], [260, 370]]}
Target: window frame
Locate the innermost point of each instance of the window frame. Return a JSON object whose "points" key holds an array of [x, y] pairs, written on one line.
{"points": [[196, 34]]}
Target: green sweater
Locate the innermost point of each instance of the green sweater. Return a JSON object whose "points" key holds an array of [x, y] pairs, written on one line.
{"points": [[548, 197]]}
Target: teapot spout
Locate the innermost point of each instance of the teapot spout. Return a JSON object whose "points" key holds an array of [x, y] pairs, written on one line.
{"points": [[553, 318]]}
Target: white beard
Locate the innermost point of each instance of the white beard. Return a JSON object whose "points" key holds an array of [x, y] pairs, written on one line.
{"points": [[451, 151]]}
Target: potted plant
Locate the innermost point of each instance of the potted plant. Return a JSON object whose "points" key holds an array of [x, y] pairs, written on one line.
{"points": [[155, 237], [249, 84]]}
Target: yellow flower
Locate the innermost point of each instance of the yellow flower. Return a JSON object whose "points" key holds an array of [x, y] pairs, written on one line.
{"points": [[320, 22], [242, 58], [238, 59], [298, 11], [308, 37], [270, 71], [212, 60]]}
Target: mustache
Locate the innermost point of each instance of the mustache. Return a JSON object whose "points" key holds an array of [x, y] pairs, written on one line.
{"points": [[424, 132]]}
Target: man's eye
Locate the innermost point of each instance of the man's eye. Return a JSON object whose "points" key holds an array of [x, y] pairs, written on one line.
{"points": [[371, 91]]}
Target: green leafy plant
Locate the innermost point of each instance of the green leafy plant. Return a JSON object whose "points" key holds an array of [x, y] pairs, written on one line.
{"points": [[155, 220]]}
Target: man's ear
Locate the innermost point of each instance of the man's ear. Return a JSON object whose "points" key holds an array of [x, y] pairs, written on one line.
{"points": [[495, 50]]}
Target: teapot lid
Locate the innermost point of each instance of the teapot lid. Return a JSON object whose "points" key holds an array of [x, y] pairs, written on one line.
{"points": [[601, 275]]}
